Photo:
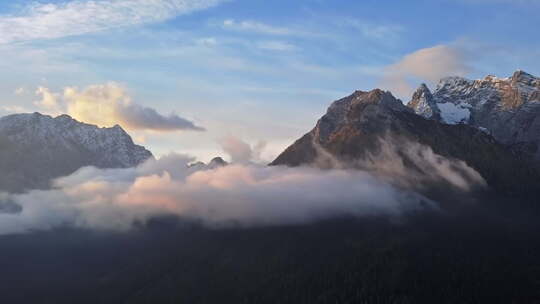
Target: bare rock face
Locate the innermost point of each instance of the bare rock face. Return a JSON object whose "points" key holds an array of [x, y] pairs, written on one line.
{"points": [[347, 128], [359, 128], [507, 108], [36, 148], [424, 104]]}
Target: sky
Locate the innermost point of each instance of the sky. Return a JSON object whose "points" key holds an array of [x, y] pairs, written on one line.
{"points": [[187, 76]]}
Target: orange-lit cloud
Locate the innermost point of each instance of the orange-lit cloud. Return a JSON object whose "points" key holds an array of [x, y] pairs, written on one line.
{"points": [[107, 105]]}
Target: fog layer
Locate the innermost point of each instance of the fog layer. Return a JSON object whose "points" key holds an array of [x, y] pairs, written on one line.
{"points": [[238, 194]]}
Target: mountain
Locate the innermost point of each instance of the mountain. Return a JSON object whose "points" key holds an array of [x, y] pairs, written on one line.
{"points": [[424, 103], [216, 162], [507, 108], [374, 130], [36, 148]]}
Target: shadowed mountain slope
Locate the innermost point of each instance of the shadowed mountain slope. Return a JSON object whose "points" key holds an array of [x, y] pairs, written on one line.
{"points": [[371, 130]]}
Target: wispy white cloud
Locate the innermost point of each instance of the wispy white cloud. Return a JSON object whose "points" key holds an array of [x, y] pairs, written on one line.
{"points": [[276, 46], [373, 31], [258, 27], [19, 91], [48, 20], [207, 42], [13, 109]]}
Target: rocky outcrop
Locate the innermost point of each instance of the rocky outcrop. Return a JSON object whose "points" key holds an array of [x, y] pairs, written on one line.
{"points": [[36, 148], [424, 104]]}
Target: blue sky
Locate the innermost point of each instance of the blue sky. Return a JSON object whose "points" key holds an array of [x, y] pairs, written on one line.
{"points": [[261, 71]]}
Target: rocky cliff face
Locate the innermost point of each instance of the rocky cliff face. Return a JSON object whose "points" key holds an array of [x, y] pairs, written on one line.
{"points": [[375, 131], [424, 103], [36, 148], [507, 108]]}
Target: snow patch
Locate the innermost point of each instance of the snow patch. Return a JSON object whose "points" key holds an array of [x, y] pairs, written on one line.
{"points": [[454, 114]]}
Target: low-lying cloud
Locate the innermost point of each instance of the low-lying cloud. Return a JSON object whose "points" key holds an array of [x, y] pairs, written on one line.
{"points": [[415, 166], [409, 165], [107, 105], [244, 195], [240, 194]]}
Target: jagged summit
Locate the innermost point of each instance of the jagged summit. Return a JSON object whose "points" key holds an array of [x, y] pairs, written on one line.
{"points": [[423, 87], [39, 117], [424, 103], [453, 82], [525, 78], [360, 97], [519, 79], [349, 109], [37, 148], [508, 108]]}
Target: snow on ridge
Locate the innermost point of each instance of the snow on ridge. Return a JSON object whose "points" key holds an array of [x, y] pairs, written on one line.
{"points": [[453, 82], [108, 144], [454, 114]]}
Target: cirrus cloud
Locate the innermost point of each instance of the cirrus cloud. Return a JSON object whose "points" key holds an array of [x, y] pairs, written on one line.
{"points": [[54, 20], [280, 46], [257, 27]]}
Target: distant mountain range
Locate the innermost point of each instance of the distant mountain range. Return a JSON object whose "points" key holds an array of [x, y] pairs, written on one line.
{"points": [[493, 125], [36, 148]]}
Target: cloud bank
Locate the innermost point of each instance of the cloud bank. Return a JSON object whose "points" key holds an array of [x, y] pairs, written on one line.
{"points": [[426, 65], [240, 194], [244, 195], [55, 20], [107, 105]]}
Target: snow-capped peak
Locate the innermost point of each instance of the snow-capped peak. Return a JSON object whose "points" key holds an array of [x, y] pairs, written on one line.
{"points": [[453, 82], [112, 146], [508, 108]]}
